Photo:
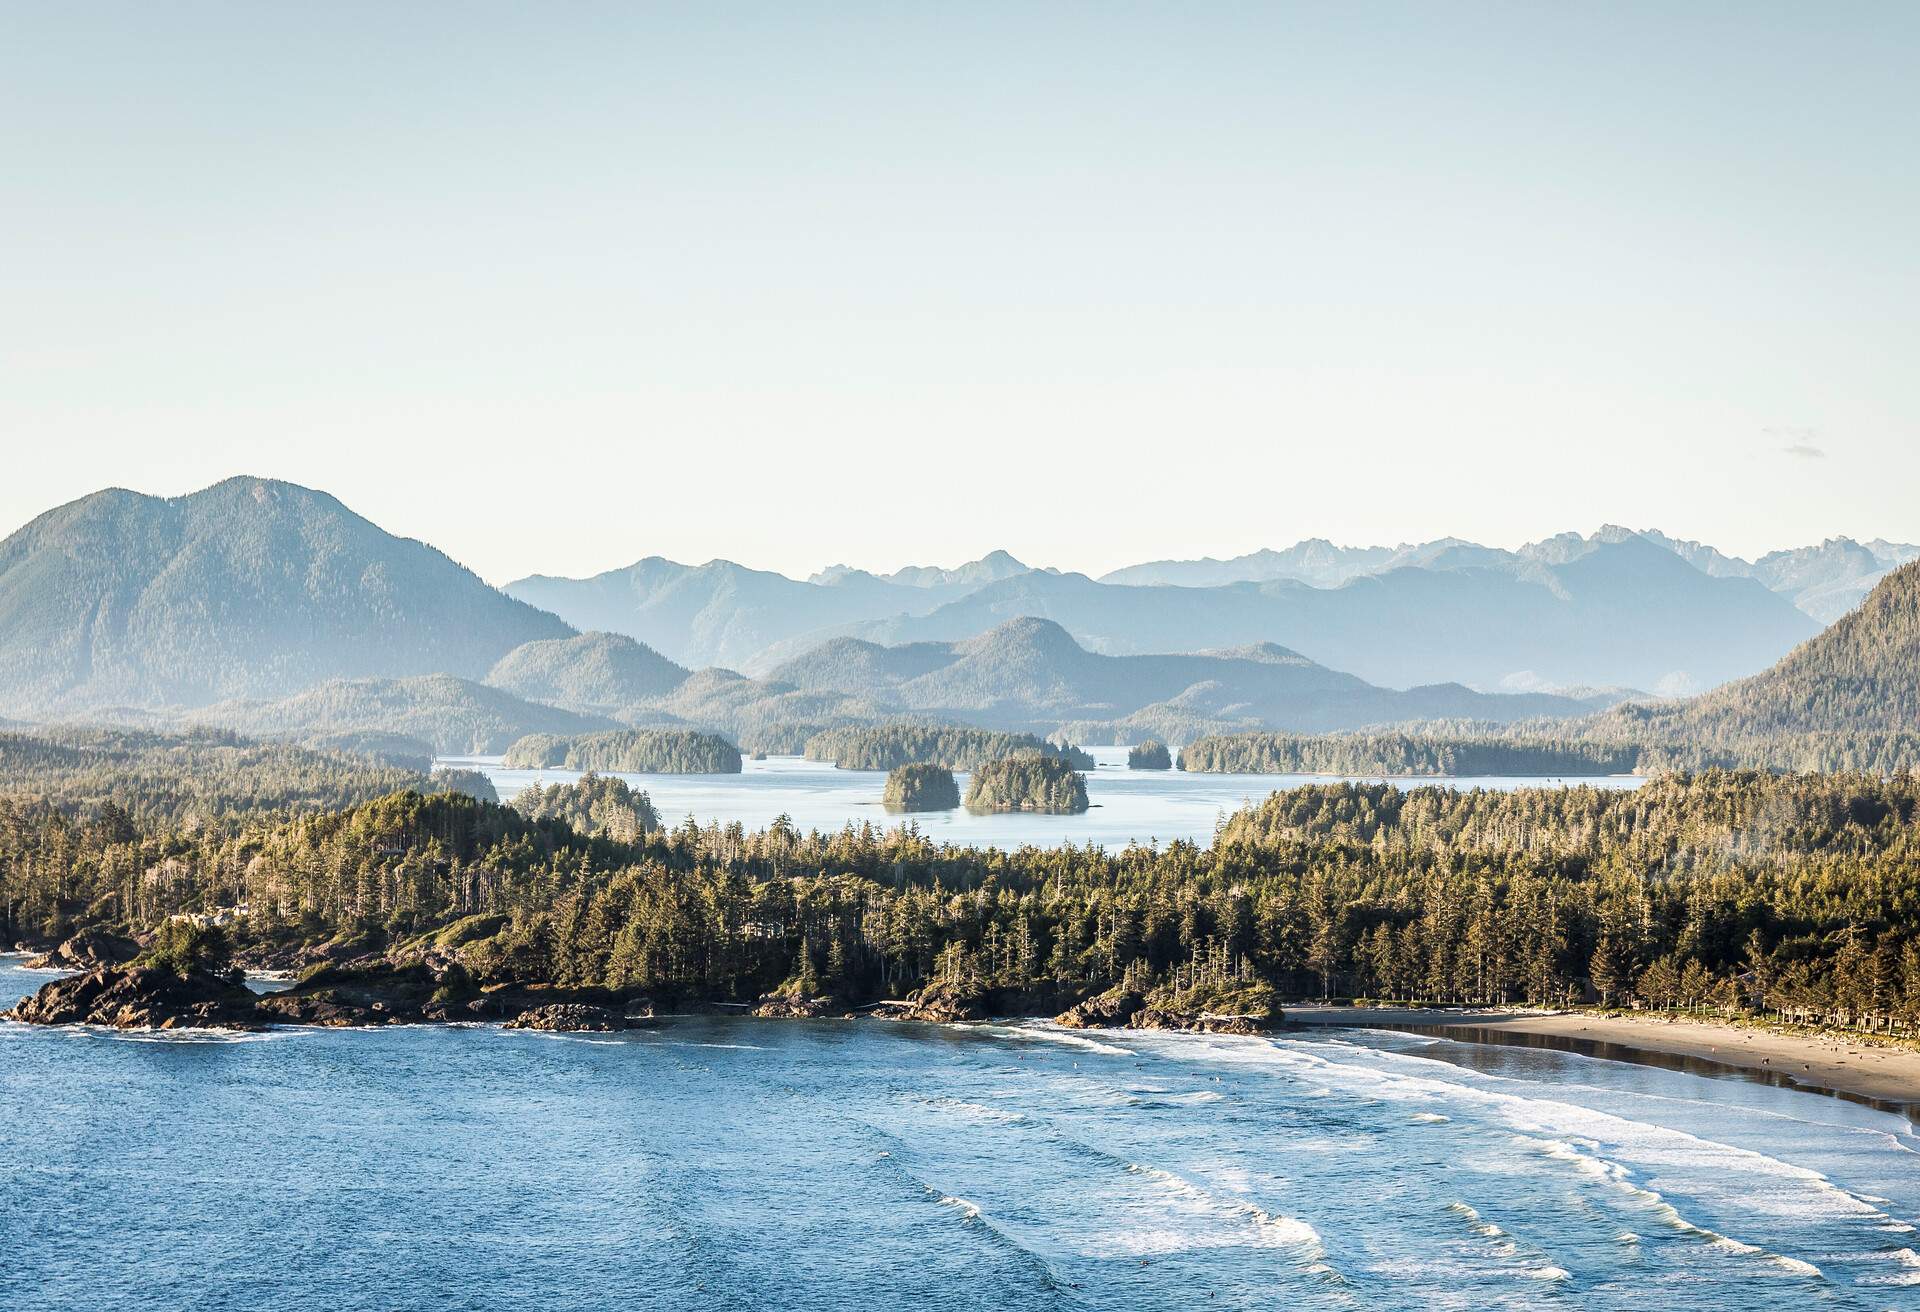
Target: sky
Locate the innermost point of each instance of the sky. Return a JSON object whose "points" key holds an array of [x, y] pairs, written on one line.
{"points": [[555, 287]]}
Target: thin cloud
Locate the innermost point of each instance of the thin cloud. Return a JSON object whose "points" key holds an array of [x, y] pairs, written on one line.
{"points": [[1794, 443]]}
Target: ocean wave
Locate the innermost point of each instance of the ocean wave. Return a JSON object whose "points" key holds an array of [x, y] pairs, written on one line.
{"points": [[969, 1210], [1048, 1032], [1755, 1181], [1228, 1222]]}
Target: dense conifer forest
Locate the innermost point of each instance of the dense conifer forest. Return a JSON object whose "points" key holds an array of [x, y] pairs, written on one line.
{"points": [[1027, 781], [629, 751], [921, 787], [186, 780], [1747, 891], [1150, 755], [958, 747], [594, 805], [1403, 754]]}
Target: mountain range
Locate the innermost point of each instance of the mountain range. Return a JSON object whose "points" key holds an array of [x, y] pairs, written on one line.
{"points": [[1626, 613], [272, 608], [1617, 609], [1824, 581]]}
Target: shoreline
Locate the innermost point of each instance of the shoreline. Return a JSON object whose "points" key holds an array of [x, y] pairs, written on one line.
{"points": [[1853, 1066], [1827, 1062]]}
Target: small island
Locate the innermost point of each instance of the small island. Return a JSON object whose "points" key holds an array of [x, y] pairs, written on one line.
{"points": [[1030, 781], [922, 787], [1149, 755], [957, 747], [627, 751]]}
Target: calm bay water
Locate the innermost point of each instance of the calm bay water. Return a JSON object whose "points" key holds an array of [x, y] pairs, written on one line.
{"points": [[1128, 805], [732, 1163]]}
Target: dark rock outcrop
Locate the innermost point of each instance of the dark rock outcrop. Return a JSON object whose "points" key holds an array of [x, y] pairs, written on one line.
{"points": [[141, 997], [776, 1006], [1200, 1022], [561, 1017], [1120, 1008], [368, 991], [943, 1003], [1110, 1010], [88, 950]]}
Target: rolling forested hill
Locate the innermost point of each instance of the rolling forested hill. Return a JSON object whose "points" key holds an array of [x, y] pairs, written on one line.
{"points": [[250, 588], [594, 672], [1858, 680], [458, 716], [1030, 672]]}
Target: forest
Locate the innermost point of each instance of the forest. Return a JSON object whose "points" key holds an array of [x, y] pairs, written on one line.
{"points": [[1400, 754], [1791, 896], [957, 747], [629, 751], [188, 780], [921, 787], [1027, 781]]}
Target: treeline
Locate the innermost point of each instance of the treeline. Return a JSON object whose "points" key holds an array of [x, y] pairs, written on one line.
{"points": [[628, 751], [187, 779], [1790, 895], [1404, 754], [957, 747], [1027, 781], [1538, 750], [595, 805]]}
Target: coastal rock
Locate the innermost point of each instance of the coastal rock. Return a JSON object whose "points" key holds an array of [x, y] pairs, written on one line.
{"points": [[942, 1003], [368, 991], [141, 997], [1110, 1010], [782, 1007], [88, 950], [1200, 1022], [559, 1017]]}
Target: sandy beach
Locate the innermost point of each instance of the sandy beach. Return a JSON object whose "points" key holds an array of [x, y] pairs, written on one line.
{"points": [[1832, 1062]]}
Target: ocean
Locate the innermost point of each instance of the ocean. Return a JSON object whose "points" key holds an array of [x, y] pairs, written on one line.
{"points": [[736, 1163]]}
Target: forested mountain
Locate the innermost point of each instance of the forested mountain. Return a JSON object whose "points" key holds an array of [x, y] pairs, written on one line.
{"points": [[1030, 673], [602, 672], [1846, 700], [250, 588], [457, 716], [1627, 613], [1860, 677]]}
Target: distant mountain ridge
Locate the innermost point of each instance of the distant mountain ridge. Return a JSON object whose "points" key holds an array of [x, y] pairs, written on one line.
{"points": [[1824, 581], [248, 588], [1628, 613], [1029, 673], [1487, 617]]}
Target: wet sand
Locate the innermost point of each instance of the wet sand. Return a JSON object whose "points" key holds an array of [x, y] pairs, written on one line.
{"points": [[1833, 1063]]}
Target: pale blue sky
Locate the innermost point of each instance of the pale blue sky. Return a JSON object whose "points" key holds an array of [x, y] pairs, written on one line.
{"points": [[558, 286]]}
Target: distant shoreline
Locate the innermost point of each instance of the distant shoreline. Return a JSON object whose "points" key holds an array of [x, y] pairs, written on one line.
{"points": [[1815, 1060]]}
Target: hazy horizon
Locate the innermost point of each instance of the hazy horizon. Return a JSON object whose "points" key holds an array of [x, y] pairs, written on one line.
{"points": [[871, 286], [882, 567]]}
